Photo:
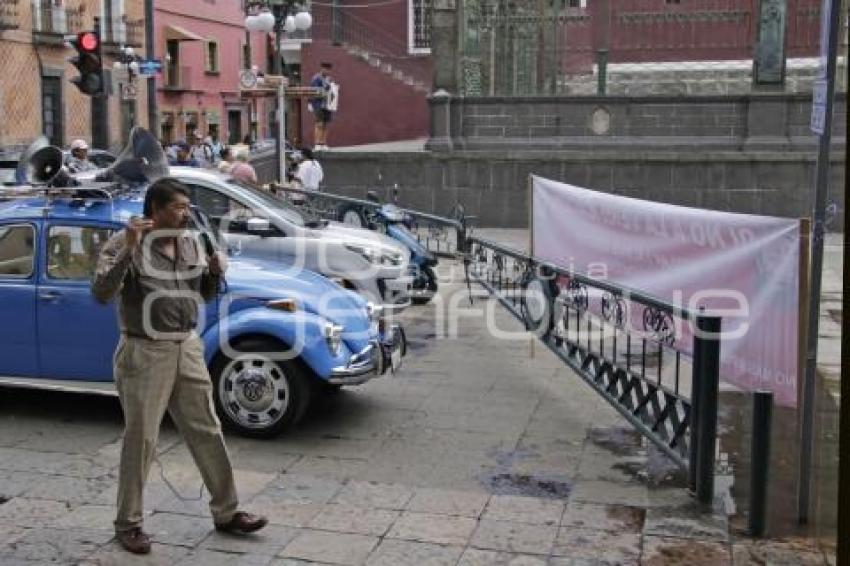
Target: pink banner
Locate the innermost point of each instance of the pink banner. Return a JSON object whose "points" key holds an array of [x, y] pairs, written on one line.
{"points": [[740, 266]]}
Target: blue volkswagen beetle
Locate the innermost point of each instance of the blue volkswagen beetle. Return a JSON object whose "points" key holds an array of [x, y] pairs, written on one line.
{"points": [[273, 337]]}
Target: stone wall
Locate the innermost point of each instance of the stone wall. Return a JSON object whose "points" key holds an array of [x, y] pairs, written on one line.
{"points": [[751, 154]]}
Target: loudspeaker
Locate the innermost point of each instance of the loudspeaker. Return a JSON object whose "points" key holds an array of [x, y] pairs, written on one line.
{"points": [[45, 167], [21, 172], [141, 161]]}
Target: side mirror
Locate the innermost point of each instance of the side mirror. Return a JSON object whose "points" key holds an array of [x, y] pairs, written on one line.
{"points": [[372, 196], [258, 226]]}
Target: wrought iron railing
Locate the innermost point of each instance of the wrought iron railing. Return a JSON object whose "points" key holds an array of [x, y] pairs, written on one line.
{"points": [[632, 348], [443, 236]]}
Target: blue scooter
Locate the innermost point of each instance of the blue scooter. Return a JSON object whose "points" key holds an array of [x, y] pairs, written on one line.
{"points": [[395, 223]]}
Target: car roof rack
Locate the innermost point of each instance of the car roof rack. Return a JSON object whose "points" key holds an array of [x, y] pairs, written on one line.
{"points": [[92, 192]]}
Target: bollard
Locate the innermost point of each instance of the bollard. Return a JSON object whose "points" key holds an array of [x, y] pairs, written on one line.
{"points": [[602, 67], [760, 461]]}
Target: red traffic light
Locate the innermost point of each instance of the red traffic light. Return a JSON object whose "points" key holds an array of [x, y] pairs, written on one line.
{"points": [[87, 41]]}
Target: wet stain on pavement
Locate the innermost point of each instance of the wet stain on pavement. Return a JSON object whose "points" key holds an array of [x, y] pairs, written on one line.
{"points": [[621, 441], [3, 499], [529, 485]]}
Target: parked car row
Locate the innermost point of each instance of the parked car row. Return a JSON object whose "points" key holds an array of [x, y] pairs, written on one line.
{"points": [[301, 312]]}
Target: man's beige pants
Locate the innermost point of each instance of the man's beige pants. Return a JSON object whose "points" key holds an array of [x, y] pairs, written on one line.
{"points": [[152, 376]]}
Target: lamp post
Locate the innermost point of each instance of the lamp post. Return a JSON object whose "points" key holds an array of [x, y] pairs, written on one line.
{"points": [[279, 16], [128, 61]]}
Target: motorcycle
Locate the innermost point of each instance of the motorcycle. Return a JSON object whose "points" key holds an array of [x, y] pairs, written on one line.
{"points": [[395, 223]]}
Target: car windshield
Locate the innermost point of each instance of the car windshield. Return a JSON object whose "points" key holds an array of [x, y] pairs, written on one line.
{"points": [[266, 199]]}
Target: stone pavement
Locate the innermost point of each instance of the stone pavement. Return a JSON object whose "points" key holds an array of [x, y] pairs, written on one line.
{"points": [[481, 451]]}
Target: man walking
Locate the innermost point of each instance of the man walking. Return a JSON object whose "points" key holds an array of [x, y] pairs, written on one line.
{"points": [[324, 107], [160, 275]]}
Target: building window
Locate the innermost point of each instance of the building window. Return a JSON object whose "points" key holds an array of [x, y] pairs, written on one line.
{"points": [[172, 62], [579, 3], [419, 26], [211, 57], [51, 110]]}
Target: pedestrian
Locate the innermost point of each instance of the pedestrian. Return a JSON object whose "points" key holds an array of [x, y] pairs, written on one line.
{"points": [[323, 107], [226, 163], [202, 152], [242, 170], [159, 362], [309, 173], [78, 161], [183, 158], [216, 146]]}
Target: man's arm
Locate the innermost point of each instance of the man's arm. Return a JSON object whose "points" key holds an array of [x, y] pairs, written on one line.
{"points": [[112, 266]]}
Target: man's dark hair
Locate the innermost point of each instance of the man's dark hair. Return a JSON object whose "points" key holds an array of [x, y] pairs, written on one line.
{"points": [[307, 153], [162, 192]]}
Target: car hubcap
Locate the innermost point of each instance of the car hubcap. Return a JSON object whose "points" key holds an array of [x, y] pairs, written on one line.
{"points": [[352, 218], [254, 392]]}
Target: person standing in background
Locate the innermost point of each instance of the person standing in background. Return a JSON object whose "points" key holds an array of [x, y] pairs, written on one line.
{"points": [[324, 107]]}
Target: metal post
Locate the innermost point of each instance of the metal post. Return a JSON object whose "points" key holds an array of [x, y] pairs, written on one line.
{"points": [[153, 125], [696, 396], [707, 340], [281, 131], [819, 229], [843, 550], [760, 461], [602, 68], [336, 24], [279, 16]]}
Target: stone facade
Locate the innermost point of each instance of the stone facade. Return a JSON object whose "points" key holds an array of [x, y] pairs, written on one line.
{"points": [[28, 53]]}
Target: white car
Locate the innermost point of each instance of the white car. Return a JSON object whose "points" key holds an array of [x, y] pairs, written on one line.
{"points": [[258, 224]]}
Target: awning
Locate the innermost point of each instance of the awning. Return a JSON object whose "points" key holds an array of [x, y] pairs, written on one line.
{"points": [[177, 33]]}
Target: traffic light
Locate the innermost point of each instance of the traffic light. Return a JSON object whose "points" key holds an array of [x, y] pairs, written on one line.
{"points": [[89, 62]]}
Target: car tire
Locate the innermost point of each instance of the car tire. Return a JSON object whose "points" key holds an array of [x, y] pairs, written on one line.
{"points": [[256, 396], [426, 279], [352, 215]]}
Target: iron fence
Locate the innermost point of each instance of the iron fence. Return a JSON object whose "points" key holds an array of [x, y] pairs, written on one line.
{"points": [[630, 347], [634, 47], [443, 236]]}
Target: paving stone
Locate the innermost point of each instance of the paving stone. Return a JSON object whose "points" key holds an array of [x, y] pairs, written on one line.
{"points": [[686, 522], [10, 532], [448, 502], [618, 518], [331, 548], [408, 553], [605, 546], [69, 488], [664, 551], [15, 484], [268, 541], [439, 529], [291, 488], [357, 520], [213, 558], [181, 530], [375, 495], [97, 517], [112, 554], [477, 557], [608, 492], [33, 512], [62, 546], [520, 509], [286, 514], [514, 537], [795, 552]]}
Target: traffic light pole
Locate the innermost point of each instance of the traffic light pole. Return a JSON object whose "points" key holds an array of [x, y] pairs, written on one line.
{"points": [[153, 124]]}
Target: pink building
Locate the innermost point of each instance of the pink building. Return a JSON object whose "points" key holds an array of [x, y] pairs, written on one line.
{"points": [[203, 46]]}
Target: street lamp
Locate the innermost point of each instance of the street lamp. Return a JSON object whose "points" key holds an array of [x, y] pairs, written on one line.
{"points": [[279, 16]]}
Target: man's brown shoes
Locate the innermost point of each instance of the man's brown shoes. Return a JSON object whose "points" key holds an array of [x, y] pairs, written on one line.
{"points": [[242, 523], [134, 540]]}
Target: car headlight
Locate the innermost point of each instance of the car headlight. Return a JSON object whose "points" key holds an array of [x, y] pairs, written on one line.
{"points": [[333, 337], [366, 253]]}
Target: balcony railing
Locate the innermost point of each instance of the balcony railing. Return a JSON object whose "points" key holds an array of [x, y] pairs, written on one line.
{"points": [[48, 19], [123, 31], [10, 14]]}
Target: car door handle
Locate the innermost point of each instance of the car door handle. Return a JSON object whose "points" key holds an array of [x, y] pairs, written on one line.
{"points": [[50, 295]]}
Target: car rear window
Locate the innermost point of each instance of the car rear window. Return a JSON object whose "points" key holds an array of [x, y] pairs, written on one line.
{"points": [[16, 250]]}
